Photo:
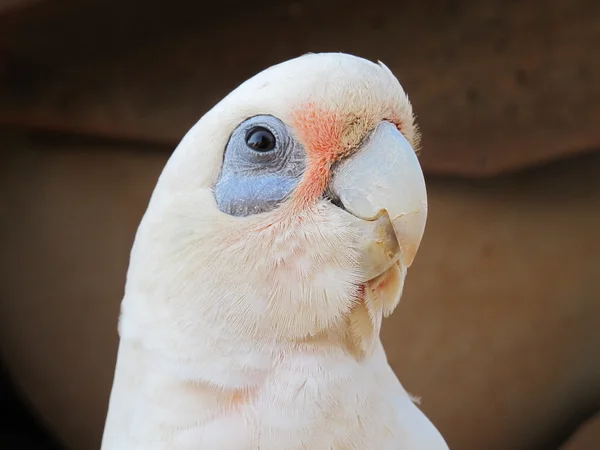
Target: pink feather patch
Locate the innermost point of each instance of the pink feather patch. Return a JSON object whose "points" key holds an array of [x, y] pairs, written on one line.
{"points": [[321, 131]]}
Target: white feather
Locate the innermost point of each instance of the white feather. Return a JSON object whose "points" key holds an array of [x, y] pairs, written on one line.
{"points": [[247, 333]]}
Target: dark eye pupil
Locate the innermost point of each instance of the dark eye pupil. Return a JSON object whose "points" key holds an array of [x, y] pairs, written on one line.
{"points": [[260, 139]]}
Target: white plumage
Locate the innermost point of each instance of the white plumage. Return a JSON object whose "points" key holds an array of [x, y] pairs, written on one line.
{"points": [[261, 331]]}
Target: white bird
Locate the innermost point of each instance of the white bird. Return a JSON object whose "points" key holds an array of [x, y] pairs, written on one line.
{"points": [[277, 238]]}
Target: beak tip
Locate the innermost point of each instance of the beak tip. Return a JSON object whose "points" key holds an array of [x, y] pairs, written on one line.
{"points": [[408, 255], [409, 230]]}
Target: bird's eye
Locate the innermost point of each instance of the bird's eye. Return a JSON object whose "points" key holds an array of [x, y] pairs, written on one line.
{"points": [[260, 139]]}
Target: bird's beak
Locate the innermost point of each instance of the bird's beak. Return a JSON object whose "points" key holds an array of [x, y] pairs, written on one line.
{"points": [[382, 187]]}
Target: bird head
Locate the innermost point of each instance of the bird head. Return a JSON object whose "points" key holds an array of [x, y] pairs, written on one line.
{"points": [[293, 203]]}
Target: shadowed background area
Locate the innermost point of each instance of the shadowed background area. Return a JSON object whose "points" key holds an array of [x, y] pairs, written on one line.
{"points": [[499, 328]]}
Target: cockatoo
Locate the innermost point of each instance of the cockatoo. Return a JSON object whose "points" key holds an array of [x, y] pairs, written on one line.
{"points": [[277, 238]]}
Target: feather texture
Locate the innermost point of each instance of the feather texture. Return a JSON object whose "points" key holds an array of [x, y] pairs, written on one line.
{"points": [[258, 332]]}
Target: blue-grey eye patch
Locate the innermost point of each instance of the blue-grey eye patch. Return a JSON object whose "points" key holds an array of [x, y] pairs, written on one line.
{"points": [[263, 164]]}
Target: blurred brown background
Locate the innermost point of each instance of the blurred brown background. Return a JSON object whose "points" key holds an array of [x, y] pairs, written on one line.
{"points": [[499, 328]]}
